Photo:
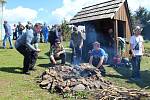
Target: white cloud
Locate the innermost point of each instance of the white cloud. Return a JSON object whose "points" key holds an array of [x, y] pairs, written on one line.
{"points": [[71, 7], [41, 9], [20, 14], [134, 4]]}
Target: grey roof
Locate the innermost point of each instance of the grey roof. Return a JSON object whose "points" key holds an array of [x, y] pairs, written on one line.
{"points": [[98, 11]]}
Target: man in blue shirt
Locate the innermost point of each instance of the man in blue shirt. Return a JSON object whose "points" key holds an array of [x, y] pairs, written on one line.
{"points": [[24, 45], [45, 32], [7, 28], [98, 57]]}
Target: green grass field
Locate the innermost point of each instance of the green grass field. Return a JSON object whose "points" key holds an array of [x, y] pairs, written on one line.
{"points": [[16, 86]]}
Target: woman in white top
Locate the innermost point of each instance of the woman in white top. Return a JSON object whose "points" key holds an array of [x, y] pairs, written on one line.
{"points": [[137, 48]]}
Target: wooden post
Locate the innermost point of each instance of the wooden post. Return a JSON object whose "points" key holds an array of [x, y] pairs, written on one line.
{"points": [[116, 35]]}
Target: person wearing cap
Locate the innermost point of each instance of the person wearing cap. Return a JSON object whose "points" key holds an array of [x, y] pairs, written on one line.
{"points": [[52, 36], [137, 49], [97, 57], [57, 52], [76, 43], [7, 28], [24, 45]]}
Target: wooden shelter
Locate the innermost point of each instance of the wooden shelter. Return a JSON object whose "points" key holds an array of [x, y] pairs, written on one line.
{"points": [[99, 18]]}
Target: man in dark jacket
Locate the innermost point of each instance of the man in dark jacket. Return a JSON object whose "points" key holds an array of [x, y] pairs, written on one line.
{"points": [[52, 36], [24, 45], [76, 43]]}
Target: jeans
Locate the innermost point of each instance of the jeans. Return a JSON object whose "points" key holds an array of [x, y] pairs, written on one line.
{"points": [[14, 35], [30, 57], [5, 39], [45, 37], [62, 57], [136, 61], [76, 55]]}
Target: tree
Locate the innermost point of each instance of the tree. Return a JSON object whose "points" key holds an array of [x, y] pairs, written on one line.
{"points": [[143, 15], [66, 30], [133, 19]]}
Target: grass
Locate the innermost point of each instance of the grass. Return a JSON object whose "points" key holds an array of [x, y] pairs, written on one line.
{"points": [[16, 86], [120, 76]]}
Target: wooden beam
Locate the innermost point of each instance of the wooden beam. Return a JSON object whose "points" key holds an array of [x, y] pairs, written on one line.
{"points": [[116, 35]]}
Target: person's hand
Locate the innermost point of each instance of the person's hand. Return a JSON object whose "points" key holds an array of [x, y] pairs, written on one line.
{"points": [[97, 67], [58, 54], [133, 55], [54, 62], [80, 48], [38, 50]]}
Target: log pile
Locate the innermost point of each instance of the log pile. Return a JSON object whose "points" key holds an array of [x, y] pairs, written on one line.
{"points": [[68, 79], [120, 93]]}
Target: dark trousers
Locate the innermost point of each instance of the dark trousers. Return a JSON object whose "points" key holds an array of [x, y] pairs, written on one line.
{"points": [[76, 55], [30, 57], [14, 35], [62, 57], [95, 64], [136, 61]]}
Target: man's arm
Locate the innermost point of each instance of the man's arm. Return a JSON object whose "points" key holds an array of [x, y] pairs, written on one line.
{"points": [[143, 50], [132, 49], [91, 60], [6, 28], [53, 59], [142, 40], [71, 41], [61, 52], [52, 55], [100, 62], [29, 40], [132, 45]]}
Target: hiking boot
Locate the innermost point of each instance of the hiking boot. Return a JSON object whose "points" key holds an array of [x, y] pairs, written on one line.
{"points": [[11, 48], [27, 73], [33, 69]]}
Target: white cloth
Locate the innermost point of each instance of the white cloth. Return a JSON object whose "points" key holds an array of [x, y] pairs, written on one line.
{"points": [[14, 28], [137, 40]]}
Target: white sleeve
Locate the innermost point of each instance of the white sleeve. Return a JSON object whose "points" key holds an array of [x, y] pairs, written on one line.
{"points": [[132, 40], [141, 39]]}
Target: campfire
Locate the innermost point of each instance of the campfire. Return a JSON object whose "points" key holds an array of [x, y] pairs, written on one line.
{"points": [[74, 79]]}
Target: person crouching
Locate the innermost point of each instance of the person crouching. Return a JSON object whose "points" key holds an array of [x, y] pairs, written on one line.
{"points": [[57, 52], [98, 57], [24, 45]]}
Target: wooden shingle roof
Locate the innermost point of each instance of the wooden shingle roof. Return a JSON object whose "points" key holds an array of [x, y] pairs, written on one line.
{"points": [[99, 11]]}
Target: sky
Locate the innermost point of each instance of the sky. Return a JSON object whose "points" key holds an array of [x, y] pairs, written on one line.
{"points": [[52, 11]]}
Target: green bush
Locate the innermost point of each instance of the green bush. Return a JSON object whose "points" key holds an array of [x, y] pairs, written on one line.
{"points": [[66, 30]]}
